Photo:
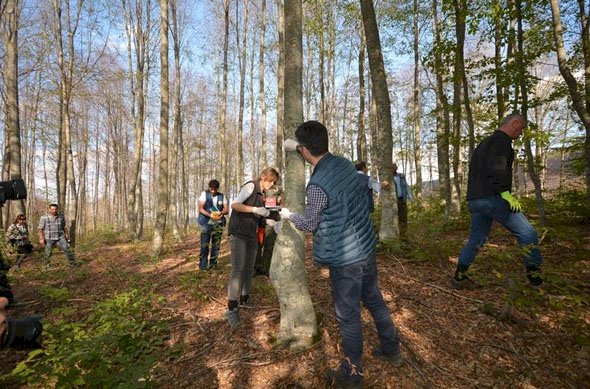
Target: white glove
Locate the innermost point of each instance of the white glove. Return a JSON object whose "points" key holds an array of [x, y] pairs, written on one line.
{"points": [[261, 211], [270, 222], [290, 145], [285, 213]]}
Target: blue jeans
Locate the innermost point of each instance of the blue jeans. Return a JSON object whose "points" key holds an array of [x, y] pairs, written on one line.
{"points": [[352, 284], [210, 237], [64, 246], [483, 213]]}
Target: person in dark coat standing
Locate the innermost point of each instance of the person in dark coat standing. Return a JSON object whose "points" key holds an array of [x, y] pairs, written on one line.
{"points": [[489, 198]]}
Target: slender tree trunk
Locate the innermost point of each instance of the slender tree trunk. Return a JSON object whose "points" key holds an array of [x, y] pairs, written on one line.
{"points": [[223, 122], [298, 325], [460, 13], [280, 86], [417, 104], [321, 65], [261, 83], [498, 66], [175, 149], [242, 64], [361, 144], [162, 207], [442, 116], [530, 161], [389, 224]]}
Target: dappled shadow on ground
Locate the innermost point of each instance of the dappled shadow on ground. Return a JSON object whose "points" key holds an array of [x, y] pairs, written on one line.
{"points": [[449, 338]]}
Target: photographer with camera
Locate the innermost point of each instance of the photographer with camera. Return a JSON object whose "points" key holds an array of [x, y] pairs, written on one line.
{"points": [[18, 237], [16, 333], [22, 332], [53, 232]]}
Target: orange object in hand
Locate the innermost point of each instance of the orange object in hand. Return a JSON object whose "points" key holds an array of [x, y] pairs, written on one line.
{"points": [[260, 235]]}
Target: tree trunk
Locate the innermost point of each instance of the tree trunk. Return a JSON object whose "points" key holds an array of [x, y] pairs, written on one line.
{"points": [[242, 65], [223, 122], [530, 160], [361, 143], [498, 66], [417, 104], [442, 116], [580, 99], [162, 207], [137, 38], [10, 25], [298, 326], [459, 68], [175, 149], [389, 225], [281, 86], [261, 84]]}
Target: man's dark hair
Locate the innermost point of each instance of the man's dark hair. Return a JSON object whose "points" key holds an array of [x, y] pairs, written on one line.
{"points": [[314, 136], [53, 205], [360, 166], [214, 184]]}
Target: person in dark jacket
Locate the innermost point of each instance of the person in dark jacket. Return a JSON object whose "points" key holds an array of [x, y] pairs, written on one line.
{"points": [[247, 211], [489, 198], [337, 213], [212, 210]]}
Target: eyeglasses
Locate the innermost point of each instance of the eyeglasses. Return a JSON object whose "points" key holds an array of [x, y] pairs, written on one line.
{"points": [[23, 218]]}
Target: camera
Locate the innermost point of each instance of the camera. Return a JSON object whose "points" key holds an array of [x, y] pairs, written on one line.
{"points": [[12, 190], [22, 333]]}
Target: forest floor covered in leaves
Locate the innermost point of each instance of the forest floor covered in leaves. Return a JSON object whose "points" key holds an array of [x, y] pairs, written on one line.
{"points": [[504, 335]]}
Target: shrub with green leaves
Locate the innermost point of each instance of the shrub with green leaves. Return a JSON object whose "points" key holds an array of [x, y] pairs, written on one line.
{"points": [[116, 346]]}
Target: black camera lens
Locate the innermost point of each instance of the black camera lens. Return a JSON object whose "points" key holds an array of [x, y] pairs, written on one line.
{"points": [[14, 189], [23, 333]]}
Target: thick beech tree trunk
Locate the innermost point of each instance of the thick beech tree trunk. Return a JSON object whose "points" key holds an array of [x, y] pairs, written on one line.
{"points": [[298, 326]]}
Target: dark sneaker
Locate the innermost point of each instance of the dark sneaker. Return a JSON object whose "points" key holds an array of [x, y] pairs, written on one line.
{"points": [[338, 379], [233, 317], [396, 360], [465, 283], [247, 304], [534, 277], [212, 266]]}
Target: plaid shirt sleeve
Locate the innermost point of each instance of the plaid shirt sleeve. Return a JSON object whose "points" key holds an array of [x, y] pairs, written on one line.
{"points": [[317, 201], [42, 222]]}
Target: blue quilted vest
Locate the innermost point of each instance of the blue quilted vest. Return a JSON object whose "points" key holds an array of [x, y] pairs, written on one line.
{"points": [[203, 220], [345, 234]]}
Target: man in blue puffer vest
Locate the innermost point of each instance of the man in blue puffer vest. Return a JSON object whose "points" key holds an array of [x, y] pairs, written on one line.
{"points": [[212, 210], [338, 214]]}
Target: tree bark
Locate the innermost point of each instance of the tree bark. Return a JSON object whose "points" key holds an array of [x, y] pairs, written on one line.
{"points": [[298, 326], [261, 92], [361, 144], [389, 224], [442, 116], [162, 206], [530, 160], [10, 25], [175, 147], [417, 104], [242, 65], [281, 86]]}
